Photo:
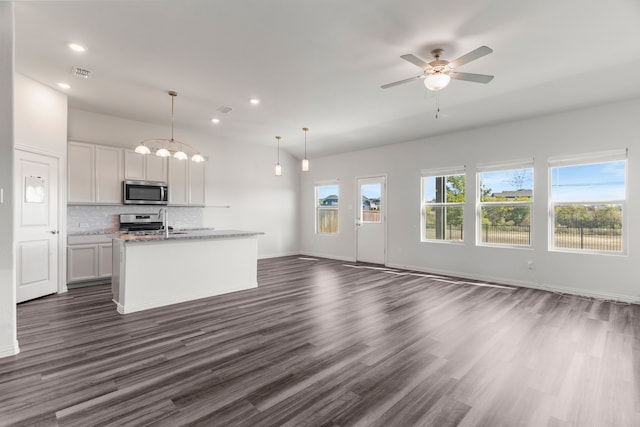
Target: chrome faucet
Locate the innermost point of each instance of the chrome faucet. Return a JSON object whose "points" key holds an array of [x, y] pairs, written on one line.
{"points": [[164, 213]]}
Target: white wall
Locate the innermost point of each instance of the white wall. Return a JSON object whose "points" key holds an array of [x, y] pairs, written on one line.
{"points": [[595, 129], [238, 175], [8, 342], [41, 119]]}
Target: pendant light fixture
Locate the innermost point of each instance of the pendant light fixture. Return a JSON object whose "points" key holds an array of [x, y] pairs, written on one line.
{"points": [[166, 147], [278, 165], [305, 161]]}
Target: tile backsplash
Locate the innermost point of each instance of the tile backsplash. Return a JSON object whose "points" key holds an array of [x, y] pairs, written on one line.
{"points": [[92, 219]]}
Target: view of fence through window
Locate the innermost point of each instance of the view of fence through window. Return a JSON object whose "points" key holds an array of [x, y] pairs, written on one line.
{"points": [[443, 207], [327, 208], [506, 199], [371, 202], [588, 205]]}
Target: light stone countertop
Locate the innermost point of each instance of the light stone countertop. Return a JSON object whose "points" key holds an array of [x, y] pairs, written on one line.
{"points": [[118, 232], [186, 235]]}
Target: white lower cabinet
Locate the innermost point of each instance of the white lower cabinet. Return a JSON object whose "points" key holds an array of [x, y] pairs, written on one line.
{"points": [[104, 260], [88, 258]]}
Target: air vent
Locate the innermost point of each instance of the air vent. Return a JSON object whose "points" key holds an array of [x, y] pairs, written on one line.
{"points": [[225, 109], [80, 72]]}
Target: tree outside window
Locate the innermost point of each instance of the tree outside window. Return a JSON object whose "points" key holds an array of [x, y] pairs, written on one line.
{"points": [[506, 200], [443, 198], [587, 207]]}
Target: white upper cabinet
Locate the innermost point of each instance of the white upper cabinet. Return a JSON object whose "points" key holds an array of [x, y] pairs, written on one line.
{"points": [[81, 177], [94, 174], [186, 183], [108, 174], [144, 167], [197, 188], [156, 168]]}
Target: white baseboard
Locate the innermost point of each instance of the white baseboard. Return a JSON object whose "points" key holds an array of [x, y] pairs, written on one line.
{"points": [[328, 256], [525, 284], [279, 255], [162, 302], [10, 350]]}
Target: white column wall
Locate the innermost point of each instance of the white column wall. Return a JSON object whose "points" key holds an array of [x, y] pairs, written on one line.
{"points": [[588, 130], [41, 119], [238, 175], [8, 341]]}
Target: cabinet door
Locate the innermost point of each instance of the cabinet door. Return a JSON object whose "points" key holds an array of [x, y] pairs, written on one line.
{"points": [[104, 260], [108, 174], [80, 182], [82, 263], [178, 182], [197, 188], [156, 168], [134, 165]]}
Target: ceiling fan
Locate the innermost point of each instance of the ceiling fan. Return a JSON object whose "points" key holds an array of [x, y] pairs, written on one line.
{"points": [[439, 72]]}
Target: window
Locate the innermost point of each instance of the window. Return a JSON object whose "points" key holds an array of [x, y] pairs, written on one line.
{"points": [[587, 205], [327, 208], [443, 205], [505, 203], [370, 211]]}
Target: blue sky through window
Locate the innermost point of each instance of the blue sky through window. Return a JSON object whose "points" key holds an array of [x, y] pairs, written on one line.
{"points": [[372, 191], [327, 190], [590, 182], [507, 180]]}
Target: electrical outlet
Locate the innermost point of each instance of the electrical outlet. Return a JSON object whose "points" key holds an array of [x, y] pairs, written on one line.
{"points": [[530, 265]]}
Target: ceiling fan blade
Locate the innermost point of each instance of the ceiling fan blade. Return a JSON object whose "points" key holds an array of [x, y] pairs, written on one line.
{"points": [[471, 56], [471, 77], [416, 61], [410, 79]]}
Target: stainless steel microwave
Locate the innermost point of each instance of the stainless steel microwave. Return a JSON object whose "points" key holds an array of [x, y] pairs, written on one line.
{"points": [[144, 193]]}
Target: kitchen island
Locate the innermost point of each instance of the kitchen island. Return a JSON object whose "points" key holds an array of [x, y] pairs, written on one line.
{"points": [[154, 271]]}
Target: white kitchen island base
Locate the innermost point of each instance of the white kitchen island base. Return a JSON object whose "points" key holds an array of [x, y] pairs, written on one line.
{"points": [[155, 272]]}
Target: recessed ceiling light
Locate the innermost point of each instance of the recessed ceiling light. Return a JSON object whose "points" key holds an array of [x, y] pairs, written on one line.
{"points": [[64, 86], [77, 47], [254, 101], [215, 120]]}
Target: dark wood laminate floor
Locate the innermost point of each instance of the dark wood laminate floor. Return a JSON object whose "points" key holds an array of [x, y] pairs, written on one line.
{"points": [[320, 343]]}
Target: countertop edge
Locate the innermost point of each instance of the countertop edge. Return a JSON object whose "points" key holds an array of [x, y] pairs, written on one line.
{"points": [[187, 235]]}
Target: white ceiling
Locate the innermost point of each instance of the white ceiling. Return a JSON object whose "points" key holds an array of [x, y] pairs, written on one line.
{"points": [[320, 63]]}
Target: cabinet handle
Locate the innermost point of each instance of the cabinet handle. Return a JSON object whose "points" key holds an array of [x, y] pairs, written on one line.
{"points": [[54, 231]]}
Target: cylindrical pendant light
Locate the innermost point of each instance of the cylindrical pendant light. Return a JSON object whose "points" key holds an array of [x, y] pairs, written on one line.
{"points": [[305, 161], [278, 165]]}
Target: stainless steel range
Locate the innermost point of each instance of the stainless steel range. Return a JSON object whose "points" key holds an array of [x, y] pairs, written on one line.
{"points": [[141, 224]]}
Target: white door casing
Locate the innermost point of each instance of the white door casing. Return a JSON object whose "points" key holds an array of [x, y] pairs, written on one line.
{"points": [[371, 220], [36, 225]]}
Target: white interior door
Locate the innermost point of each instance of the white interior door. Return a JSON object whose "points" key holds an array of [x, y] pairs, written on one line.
{"points": [[370, 220], [36, 232]]}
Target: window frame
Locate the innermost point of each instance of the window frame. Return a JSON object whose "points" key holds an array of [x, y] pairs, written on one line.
{"points": [[498, 167], [611, 156], [318, 208], [424, 204]]}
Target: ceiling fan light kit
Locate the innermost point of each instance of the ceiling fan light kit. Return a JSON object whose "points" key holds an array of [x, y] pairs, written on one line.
{"points": [[438, 73], [175, 147], [437, 81]]}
